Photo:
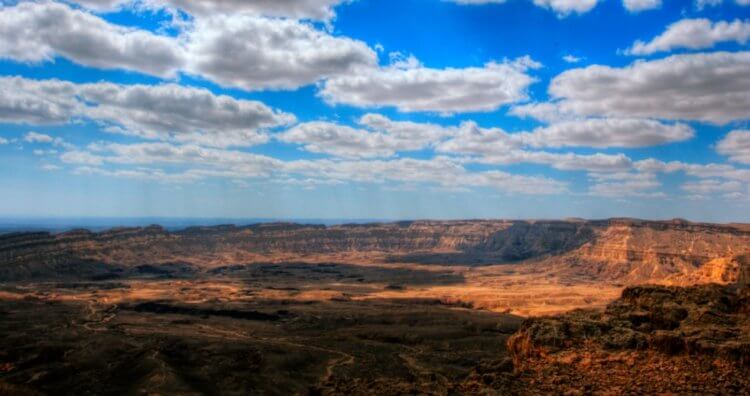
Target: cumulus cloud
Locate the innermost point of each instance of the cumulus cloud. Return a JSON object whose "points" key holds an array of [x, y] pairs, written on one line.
{"points": [[40, 138], [594, 132], [165, 112], [181, 113], [701, 171], [147, 174], [471, 139], [237, 165], [642, 187], [37, 102], [282, 53], [607, 132], [476, 2], [340, 140], [297, 9], [441, 171], [598, 162], [380, 137], [736, 146], [641, 5], [39, 31], [35, 137], [701, 4], [564, 8], [542, 111], [409, 86], [571, 58], [711, 87], [694, 34], [711, 186], [495, 147]]}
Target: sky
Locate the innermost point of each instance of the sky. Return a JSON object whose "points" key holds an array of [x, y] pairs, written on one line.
{"points": [[375, 109]]}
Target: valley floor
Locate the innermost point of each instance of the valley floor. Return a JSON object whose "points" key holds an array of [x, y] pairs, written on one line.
{"points": [[320, 328]]}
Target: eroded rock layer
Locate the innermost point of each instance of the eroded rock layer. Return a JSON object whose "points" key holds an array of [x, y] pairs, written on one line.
{"points": [[617, 250]]}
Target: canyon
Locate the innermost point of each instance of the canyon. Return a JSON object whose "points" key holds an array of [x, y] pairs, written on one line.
{"points": [[625, 251], [425, 307]]}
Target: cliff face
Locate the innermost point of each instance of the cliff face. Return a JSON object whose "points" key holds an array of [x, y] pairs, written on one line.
{"points": [[679, 252], [40, 255], [621, 250]]}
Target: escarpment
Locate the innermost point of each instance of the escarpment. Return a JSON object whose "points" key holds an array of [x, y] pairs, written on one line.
{"points": [[617, 250]]}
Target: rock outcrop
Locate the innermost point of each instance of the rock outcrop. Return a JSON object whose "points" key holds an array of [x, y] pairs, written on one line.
{"points": [[654, 339]]}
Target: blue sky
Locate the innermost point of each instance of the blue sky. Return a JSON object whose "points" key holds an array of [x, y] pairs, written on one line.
{"points": [[375, 109]]}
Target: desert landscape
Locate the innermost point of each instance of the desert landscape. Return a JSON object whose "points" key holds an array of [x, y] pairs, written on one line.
{"points": [[374, 197], [425, 307]]}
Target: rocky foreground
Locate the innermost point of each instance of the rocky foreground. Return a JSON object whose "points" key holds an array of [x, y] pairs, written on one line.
{"points": [[653, 340]]}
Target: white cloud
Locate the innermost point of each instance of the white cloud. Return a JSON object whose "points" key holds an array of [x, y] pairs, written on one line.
{"points": [[297, 9], [736, 145], [3, 141], [471, 139], [625, 184], [381, 138], [340, 140], [49, 167], [164, 112], [37, 102], [701, 4], [710, 186], [594, 132], [694, 34], [282, 54], [641, 5], [630, 188], [476, 2], [545, 111], [237, 165], [35, 137], [564, 8], [598, 162], [40, 31], [183, 114], [607, 132], [702, 171], [409, 86], [440, 171], [571, 58], [165, 153], [147, 174], [712, 87]]}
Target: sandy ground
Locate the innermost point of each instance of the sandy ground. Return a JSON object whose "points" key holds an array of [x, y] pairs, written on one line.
{"points": [[503, 288]]}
